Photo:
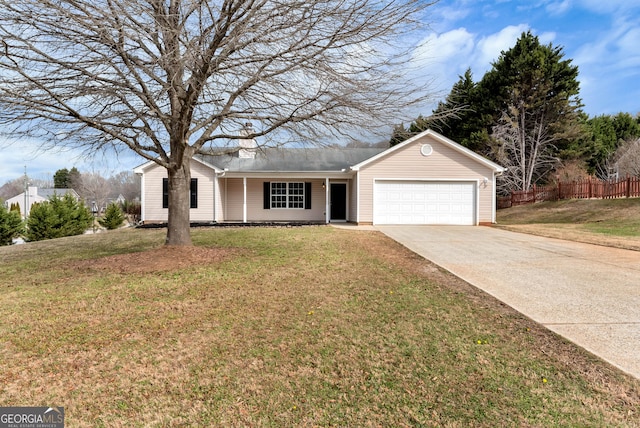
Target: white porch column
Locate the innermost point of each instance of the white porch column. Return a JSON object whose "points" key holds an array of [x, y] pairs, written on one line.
{"points": [[327, 208], [244, 199], [143, 197], [215, 193]]}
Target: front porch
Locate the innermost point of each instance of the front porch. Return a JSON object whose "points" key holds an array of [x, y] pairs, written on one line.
{"points": [[296, 199]]}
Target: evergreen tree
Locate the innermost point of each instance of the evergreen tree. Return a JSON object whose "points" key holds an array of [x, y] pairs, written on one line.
{"points": [[41, 223], [11, 225], [537, 107], [113, 217], [626, 127], [58, 217], [605, 135], [399, 135], [67, 179], [61, 179], [132, 210], [458, 116]]}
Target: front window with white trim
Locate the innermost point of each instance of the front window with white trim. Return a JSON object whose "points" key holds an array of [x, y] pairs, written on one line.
{"points": [[287, 195]]}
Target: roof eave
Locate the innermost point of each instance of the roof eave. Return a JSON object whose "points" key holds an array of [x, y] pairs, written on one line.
{"points": [[344, 173], [441, 138], [140, 169]]}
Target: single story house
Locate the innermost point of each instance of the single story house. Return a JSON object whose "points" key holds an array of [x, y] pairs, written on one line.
{"points": [[34, 195], [427, 179]]}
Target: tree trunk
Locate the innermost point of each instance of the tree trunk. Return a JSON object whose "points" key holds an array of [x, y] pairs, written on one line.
{"points": [[178, 228]]}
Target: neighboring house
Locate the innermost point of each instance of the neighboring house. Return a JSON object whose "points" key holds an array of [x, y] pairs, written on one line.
{"points": [[34, 195], [427, 179], [114, 198]]}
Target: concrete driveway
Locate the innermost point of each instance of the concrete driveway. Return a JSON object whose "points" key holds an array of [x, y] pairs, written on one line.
{"points": [[586, 293]]}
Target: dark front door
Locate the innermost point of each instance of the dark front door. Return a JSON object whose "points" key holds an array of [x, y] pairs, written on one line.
{"points": [[338, 201]]}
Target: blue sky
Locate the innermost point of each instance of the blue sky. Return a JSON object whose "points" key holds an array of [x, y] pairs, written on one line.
{"points": [[602, 37]]}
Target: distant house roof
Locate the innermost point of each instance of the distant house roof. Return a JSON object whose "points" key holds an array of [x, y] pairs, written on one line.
{"points": [[293, 159], [36, 192], [48, 193]]}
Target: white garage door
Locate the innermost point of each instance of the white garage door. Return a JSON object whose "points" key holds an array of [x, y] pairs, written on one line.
{"points": [[424, 202]]}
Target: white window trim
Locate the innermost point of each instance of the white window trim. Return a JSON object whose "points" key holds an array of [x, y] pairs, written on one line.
{"points": [[287, 195]]}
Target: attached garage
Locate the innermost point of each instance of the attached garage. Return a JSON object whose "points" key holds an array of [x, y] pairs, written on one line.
{"points": [[424, 202], [427, 179]]}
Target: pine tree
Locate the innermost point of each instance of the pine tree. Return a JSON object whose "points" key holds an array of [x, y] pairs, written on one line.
{"points": [[113, 217], [61, 179], [11, 225], [58, 217], [458, 116]]}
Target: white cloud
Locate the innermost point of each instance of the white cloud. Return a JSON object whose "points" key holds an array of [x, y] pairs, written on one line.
{"points": [[557, 8], [546, 37], [444, 46], [490, 47], [615, 48], [609, 66], [628, 45], [444, 56], [459, 49], [441, 17]]}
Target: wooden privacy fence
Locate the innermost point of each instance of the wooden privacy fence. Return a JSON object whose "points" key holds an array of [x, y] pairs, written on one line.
{"points": [[583, 189]]}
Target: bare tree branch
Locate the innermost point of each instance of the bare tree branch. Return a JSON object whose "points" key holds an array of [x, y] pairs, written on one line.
{"points": [[626, 160], [165, 78]]}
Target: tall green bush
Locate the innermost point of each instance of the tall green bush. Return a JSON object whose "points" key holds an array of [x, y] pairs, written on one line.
{"points": [[113, 217], [11, 225], [58, 217], [132, 211]]}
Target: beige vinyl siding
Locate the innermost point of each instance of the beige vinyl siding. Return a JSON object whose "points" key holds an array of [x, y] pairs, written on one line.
{"points": [[204, 174], [153, 211], [353, 200], [255, 199], [443, 164], [233, 189]]}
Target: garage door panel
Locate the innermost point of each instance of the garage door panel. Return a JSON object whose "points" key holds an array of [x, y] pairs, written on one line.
{"points": [[412, 202]]}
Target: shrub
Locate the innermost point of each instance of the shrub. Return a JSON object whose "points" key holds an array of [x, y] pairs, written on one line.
{"points": [[11, 225], [113, 217], [132, 210], [15, 207], [58, 217]]}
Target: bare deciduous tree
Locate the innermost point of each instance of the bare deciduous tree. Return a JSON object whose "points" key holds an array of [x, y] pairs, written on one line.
{"points": [[626, 160], [525, 148], [165, 78], [12, 188], [127, 184], [95, 188]]}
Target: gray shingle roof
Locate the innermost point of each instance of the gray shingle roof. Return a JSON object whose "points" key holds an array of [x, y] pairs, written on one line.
{"points": [[48, 193], [293, 159]]}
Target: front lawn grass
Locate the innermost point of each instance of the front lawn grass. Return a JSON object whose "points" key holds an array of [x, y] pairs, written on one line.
{"points": [[310, 326], [611, 222]]}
